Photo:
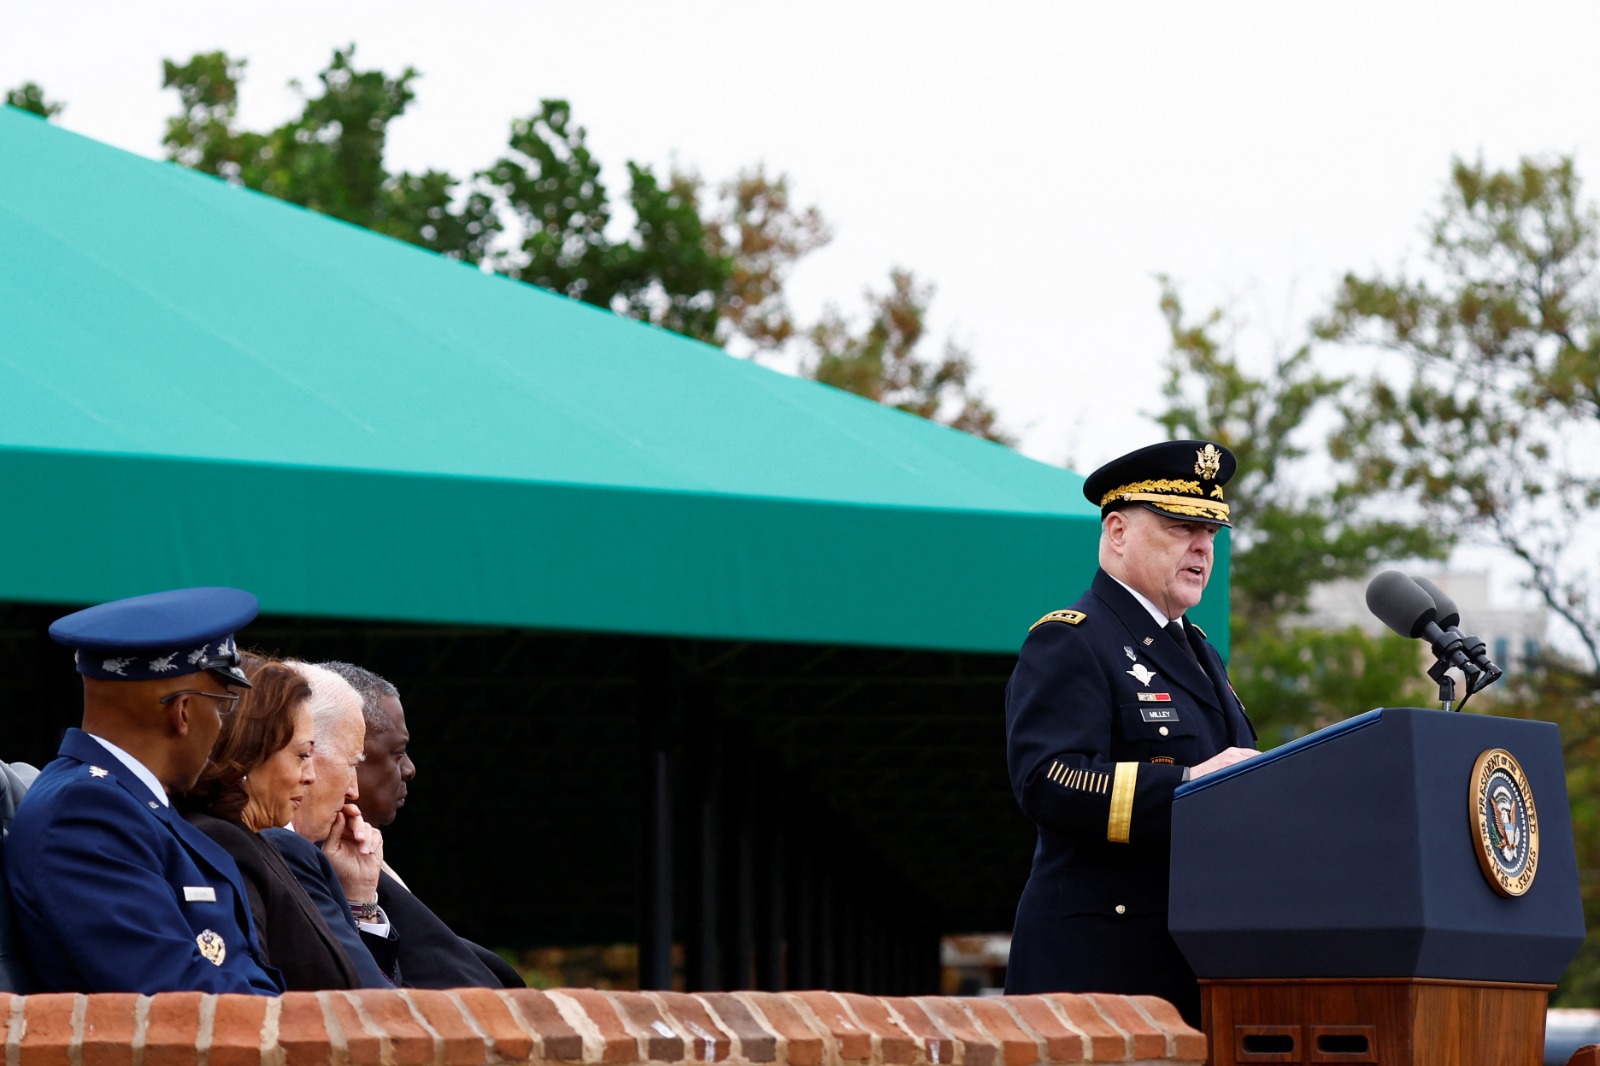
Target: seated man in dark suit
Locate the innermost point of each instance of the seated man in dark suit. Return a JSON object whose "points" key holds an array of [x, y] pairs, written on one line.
{"points": [[14, 781], [113, 891], [431, 954], [330, 850]]}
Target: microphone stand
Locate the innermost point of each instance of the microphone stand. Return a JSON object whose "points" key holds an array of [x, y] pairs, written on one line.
{"points": [[1440, 672]]}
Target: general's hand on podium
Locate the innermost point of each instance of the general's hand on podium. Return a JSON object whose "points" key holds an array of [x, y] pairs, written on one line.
{"points": [[1224, 758]]}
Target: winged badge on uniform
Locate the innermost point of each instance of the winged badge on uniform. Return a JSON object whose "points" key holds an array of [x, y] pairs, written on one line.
{"points": [[1142, 673]]}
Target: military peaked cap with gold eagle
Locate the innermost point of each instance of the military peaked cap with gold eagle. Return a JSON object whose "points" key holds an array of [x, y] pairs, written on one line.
{"points": [[1177, 478]]}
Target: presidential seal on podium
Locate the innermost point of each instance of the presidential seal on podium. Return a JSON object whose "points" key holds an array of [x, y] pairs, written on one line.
{"points": [[1505, 823]]}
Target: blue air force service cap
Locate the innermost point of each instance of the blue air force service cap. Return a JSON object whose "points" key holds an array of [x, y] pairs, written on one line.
{"points": [[1178, 478], [164, 634]]}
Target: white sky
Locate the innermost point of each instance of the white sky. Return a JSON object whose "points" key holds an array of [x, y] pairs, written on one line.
{"points": [[1039, 163]]}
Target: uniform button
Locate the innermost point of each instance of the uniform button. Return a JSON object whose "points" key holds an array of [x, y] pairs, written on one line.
{"points": [[1163, 730], [1121, 909]]}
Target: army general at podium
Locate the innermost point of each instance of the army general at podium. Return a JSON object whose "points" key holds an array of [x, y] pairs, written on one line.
{"points": [[1114, 702]]}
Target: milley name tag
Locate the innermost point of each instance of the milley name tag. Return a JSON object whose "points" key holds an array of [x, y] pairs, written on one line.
{"points": [[1158, 714]]}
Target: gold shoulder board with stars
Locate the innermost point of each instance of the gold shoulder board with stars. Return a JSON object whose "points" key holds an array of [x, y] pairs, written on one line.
{"points": [[1072, 618]]}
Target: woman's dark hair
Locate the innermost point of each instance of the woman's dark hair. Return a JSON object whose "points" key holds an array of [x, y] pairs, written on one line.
{"points": [[262, 724]]}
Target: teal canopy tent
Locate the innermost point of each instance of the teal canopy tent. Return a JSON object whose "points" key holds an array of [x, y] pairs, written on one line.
{"points": [[202, 385]]}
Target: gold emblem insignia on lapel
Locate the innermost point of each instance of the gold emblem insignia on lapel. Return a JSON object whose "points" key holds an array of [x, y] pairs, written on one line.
{"points": [[212, 947], [1142, 673]]}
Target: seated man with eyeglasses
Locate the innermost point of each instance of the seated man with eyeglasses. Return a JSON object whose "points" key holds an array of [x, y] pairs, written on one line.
{"points": [[113, 890]]}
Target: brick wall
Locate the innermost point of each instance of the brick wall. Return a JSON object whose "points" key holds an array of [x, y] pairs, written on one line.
{"points": [[470, 1027]]}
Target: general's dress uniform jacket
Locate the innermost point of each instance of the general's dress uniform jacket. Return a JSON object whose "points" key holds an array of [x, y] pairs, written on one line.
{"points": [[1104, 711], [115, 892]]}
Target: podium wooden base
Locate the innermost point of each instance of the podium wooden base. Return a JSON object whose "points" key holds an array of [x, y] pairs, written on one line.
{"points": [[1381, 1021]]}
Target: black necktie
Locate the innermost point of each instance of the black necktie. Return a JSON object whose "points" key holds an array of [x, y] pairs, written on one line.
{"points": [[1175, 628]]}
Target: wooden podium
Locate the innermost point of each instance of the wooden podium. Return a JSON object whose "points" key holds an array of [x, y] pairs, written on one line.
{"points": [[1400, 888]]}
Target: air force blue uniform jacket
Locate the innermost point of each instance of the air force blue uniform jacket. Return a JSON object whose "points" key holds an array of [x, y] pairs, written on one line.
{"points": [[115, 892], [1104, 711]]}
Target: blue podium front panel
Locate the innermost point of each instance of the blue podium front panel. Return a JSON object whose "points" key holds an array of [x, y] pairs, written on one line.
{"points": [[1351, 853]]}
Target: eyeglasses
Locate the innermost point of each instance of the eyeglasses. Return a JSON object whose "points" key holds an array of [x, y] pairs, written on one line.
{"points": [[230, 698]]}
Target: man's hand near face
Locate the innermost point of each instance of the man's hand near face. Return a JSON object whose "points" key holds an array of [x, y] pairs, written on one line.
{"points": [[356, 851]]}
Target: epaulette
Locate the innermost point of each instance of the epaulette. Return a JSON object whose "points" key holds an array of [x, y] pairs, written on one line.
{"points": [[1197, 629], [1072, 618]]}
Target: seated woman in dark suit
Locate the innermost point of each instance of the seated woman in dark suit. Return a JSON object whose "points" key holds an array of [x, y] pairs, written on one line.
{"points": [[260, 769]]}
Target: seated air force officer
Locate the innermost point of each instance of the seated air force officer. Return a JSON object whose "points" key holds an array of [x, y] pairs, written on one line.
{"points": [[113, 890], [1112, 704]]}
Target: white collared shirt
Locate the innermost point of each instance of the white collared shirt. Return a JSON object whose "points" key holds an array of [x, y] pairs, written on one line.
{"points": [[1156, 613], [137, 768]]}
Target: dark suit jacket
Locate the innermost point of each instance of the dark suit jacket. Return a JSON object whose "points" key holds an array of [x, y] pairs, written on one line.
{"points": [[431, 955], [374, 956], [296, 938], [1103, 713], [14, 781], [115, 892]]}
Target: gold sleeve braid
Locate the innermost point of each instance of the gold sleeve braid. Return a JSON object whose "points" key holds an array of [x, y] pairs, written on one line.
{"points": [[1119, 784], [1119, 823], [1084, 780]]}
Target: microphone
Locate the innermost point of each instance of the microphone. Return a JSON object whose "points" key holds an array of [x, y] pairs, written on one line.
{"points": [[1401, 604], [1449, 618], [1448, 615], [1407, 608]]}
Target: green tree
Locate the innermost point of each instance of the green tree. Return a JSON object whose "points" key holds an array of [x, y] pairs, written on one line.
{"points": [[1290, 535], [1488, 420], [707, 262], [883, 361], [30, 98], [330, 158]]}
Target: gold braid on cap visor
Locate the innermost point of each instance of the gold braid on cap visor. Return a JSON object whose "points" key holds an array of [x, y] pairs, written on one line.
{"points": [[1160, 493]]}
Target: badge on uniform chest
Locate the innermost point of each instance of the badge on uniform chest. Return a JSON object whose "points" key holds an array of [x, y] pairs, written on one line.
{"points": [[1157, 714]]}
